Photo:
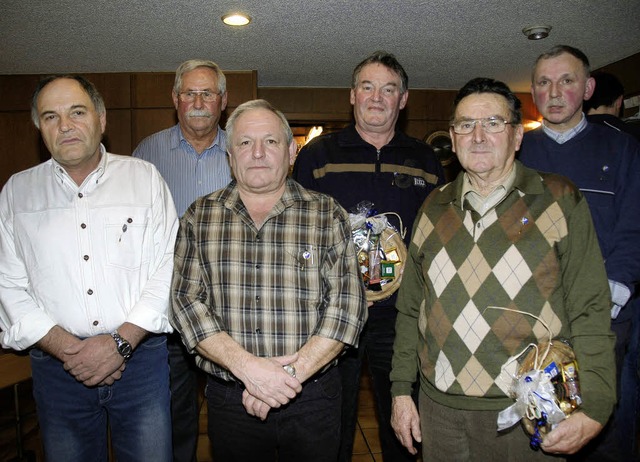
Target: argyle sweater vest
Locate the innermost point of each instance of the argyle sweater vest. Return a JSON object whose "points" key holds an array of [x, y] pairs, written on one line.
{"points": [[478, 272]]}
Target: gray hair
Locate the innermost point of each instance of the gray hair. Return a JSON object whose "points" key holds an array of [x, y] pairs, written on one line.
{"points": [[192, 64], [258, 104], [389, 61], [557, 51], [88, 87]]}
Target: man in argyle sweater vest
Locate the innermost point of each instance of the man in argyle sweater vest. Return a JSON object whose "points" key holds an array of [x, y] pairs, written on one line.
{"points": [[497, 257]]}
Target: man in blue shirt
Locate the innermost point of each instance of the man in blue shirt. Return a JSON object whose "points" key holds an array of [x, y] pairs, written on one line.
{"points": [[191, 157], [605, 165]]}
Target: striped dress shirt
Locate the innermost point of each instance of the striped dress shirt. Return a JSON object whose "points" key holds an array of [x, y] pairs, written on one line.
{"points": [[188, 174]]}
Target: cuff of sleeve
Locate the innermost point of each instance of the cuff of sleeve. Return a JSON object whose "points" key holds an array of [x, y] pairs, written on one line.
{"points": [[620, 293], [401, 388]]}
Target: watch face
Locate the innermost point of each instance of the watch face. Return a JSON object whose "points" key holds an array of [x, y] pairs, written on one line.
{"points": [[125, 349]]}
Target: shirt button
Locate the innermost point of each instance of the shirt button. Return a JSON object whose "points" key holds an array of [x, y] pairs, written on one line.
{"points": [[95, 323], [257, 297], [258, 331], [80, 195], [257, 266], [90, 292], [129, 220], [478, 225], [86, 257], [83, 226]]}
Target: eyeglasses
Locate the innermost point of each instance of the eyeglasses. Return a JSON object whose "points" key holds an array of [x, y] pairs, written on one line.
{"points": [[489, 125], [206, 95]]}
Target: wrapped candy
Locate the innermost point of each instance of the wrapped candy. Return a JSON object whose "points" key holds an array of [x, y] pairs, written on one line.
{"points": [[380, 250], [546, 390]]}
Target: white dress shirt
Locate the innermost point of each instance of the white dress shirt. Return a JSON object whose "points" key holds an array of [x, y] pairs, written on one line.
{"points": [[86, 258]]}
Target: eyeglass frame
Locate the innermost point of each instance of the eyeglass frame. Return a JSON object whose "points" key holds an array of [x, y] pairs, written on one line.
{"points": [[483, 123], [195, 93]]}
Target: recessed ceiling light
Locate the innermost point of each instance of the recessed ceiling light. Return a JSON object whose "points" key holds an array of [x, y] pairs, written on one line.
{"points": [[536, 32], [236, 19]]}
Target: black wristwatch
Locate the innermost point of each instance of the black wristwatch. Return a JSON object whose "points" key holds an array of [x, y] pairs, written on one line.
{"points": [[124, 347]]}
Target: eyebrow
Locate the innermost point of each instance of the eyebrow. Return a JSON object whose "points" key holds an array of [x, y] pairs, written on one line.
{"points": [[72, 108]]}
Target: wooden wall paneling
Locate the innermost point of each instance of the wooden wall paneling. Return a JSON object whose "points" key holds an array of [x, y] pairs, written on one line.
{"points": [[21, 145], [310, 105], [117, 135], [114, 88], [152, 89], [627, 71], [242, 86], [148, 121], [16, 92]]}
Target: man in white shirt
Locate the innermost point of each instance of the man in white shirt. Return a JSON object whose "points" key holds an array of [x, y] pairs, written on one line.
{"points": [[86, 245]]}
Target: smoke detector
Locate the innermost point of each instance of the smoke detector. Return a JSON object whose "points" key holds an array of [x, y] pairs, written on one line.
{"points": [[536, 32]]}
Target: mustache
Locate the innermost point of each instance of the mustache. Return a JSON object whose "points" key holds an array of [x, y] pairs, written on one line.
{"points": [[556, 102], [199, 113]]}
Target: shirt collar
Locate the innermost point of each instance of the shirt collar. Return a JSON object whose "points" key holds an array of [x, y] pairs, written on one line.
{"points": [[220, 140], [483, 204], [95, 176], [563, 137]]}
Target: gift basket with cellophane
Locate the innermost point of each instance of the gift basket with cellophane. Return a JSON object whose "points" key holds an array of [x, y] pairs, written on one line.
{"points": [[545, 387], [380, 250]]}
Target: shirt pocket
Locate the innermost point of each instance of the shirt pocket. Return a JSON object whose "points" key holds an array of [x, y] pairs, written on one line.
{"points": [[301, 274], [126, 240]]}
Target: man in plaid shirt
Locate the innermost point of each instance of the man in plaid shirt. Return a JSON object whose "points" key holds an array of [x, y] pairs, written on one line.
{"points": [[267, 293]]}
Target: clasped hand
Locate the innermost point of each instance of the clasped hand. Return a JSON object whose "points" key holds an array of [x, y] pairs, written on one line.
{"points": [[94, 361], [268, 385]]}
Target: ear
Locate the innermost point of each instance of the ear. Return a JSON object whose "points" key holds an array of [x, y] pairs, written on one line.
{"points": [[223, 102], [103, 122], [174, 96], [617, 104], [403, 99], [518, 135], [293, 150], [590, 86], [352, 97], [452, 135]]}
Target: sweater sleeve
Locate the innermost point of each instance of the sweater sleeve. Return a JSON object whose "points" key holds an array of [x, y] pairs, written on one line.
{"points": [[586, 294], [410, 298]]}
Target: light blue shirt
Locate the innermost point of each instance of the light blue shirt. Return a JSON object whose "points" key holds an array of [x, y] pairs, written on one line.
{"points": [[188, 174]]}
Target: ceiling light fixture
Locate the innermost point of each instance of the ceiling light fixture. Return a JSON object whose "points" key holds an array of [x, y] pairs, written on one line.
{"points": [[236, 19], [536, 32]]}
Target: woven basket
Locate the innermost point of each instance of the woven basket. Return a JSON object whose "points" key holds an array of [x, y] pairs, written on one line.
{"points": [[559, 353], [390, 239]]}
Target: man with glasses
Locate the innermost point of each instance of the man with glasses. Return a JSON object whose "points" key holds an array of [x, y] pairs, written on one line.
{"points": [[191, 156], [372, 161], [605, 165], [494, 256]]}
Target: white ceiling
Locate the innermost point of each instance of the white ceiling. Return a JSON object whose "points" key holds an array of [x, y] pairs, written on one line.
{"points": [[302, 43]]}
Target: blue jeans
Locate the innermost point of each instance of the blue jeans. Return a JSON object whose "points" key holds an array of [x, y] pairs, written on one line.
{"points": [[376, 342], [73, 418], [305, 430]]}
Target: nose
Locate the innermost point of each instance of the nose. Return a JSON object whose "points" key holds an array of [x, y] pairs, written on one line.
{"points": [[198, 101], [478, 133], [377, 94], [554, 90], [65, 124], [258, 151]]}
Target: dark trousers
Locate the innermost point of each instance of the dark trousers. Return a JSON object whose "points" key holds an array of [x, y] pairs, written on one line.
{"points": [[376, 342], [618, 440], [307, 429], [184, 401]]}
